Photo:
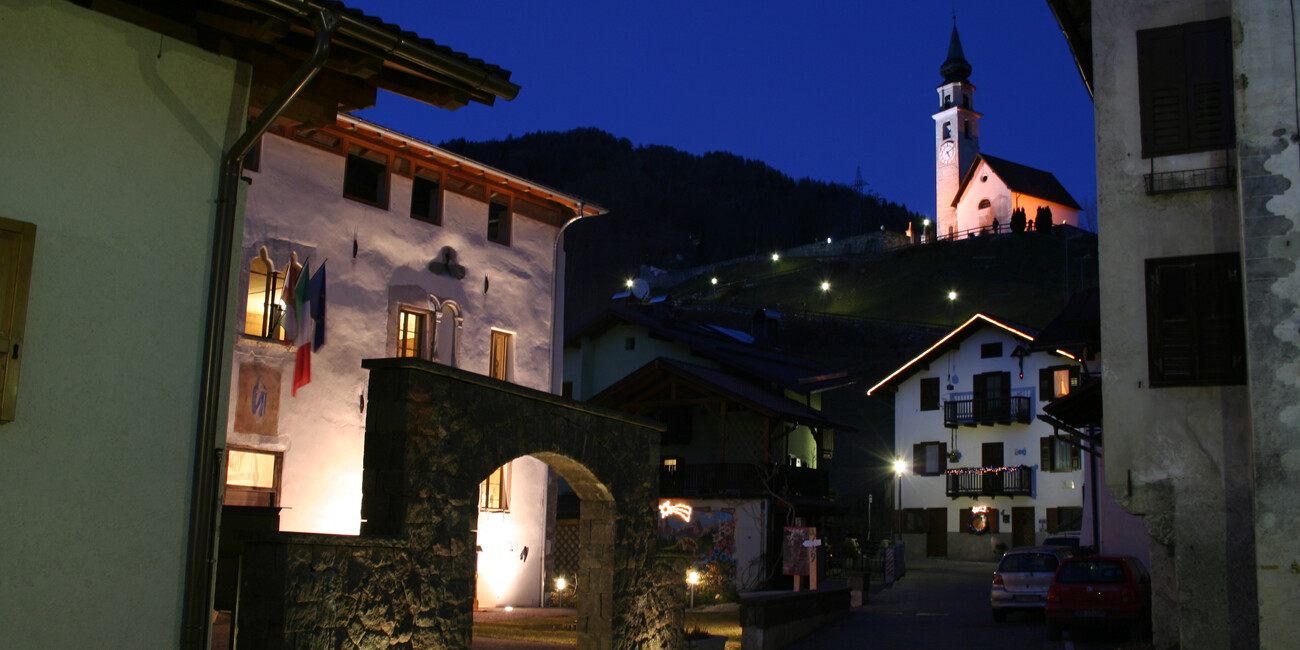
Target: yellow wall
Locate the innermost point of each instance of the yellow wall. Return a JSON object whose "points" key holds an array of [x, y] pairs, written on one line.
{"points": [[112, 138]]}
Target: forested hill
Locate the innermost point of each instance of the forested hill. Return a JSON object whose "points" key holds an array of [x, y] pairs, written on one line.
{"points": [[672, 209]]}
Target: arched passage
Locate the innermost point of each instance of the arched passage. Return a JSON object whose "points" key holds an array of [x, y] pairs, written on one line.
{"points": [[432, 434]]}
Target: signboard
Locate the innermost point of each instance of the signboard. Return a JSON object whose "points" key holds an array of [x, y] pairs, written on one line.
{"points": [[794, 554]]}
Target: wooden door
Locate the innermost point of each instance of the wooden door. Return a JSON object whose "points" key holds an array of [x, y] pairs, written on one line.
{"points": [[936, 532], [1022, 526]]}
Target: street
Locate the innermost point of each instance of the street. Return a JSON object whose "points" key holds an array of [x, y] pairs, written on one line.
{"points": [[942, 604]]}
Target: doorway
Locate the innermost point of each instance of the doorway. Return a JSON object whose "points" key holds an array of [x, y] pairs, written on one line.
{"points": [[936, 532], [1022, 526]]}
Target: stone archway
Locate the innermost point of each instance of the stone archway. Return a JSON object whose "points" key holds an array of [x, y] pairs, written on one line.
{"points": [[433, 432]]}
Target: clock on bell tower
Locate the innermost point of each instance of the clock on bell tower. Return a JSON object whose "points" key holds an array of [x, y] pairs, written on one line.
{"points": [[956, 134]]}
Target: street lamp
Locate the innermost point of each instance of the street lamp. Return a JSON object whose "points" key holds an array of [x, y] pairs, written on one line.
{"points": [[900, 466], [692, 579], [776, 257], [925, 228], [826, 286]]}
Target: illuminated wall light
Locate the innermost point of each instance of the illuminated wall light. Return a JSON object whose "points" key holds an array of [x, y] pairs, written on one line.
{"points": [[979, 510]]}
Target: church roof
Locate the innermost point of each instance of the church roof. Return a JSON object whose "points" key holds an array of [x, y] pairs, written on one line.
{"points": [[1021, 179], [955, 67]]}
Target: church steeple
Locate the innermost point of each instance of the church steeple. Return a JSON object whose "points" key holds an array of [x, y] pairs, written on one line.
{"points": [[955, 67]]}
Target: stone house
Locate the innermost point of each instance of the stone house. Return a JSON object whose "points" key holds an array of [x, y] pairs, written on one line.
{"points": [[980, 468], [120, 213], [742, 455], [1196, 121]]}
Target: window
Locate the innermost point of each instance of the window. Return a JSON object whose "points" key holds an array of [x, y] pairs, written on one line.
{"points": [[1057, 381], [252, 478], [499, 365], [915, 520], [965, 126], [499, 219], [671, 463], [1064, 519], [985, 203], [426, 197], [629, 343], [1185, 88], [17, 243], [947, 130], [1195, 321], [446, 340], [494, 491], [412, 327], [930, 394], [992, 396], [991, 350], [264, 310], [365, 176], [1058, 455], [929, 458]]}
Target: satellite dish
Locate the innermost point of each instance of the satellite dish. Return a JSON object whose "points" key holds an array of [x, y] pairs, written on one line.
{"points": [[640, 289]]}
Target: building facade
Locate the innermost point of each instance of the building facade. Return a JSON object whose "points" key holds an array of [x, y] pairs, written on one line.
{"points": [[1196, 175], [428, 255], [981, 471]]}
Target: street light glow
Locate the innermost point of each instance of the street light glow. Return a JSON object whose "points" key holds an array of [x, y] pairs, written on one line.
{"points": [[713, 281], [826, 286], [628, 283], [561, 583], [900, 466], [952, 295], [776, 257], [693, 577]]}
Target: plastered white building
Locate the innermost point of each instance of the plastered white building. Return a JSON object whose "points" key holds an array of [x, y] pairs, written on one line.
{"points": [[428, 254]]}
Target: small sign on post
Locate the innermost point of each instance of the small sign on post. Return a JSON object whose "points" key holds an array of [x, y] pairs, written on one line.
{"points": [[799, 555]]}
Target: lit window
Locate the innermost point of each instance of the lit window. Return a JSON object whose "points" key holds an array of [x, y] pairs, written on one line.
{"points": [[410, 333], [500, 362], [494, 492], [264, 312], [252, 478], [670, 464], [1058, 455]]}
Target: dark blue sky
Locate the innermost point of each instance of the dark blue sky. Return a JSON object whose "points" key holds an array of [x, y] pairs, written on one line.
{"points": [[814, 89]]}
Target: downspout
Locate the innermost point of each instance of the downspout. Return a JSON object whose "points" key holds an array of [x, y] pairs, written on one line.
{"points": [[205, 509], [557, 350]]}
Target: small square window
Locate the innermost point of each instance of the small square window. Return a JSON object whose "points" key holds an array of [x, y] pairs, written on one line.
{"points": [[498, 229], [629, 343], [252, 478], [365, 177], [426, 197], [494, 491]]}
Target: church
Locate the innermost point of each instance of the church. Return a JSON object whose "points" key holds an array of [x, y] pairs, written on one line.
{"points": [[974, 192]]}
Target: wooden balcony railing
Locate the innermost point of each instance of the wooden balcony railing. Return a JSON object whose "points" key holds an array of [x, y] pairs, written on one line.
{"points": [[972, 410], [991, 481], [742, 479]]}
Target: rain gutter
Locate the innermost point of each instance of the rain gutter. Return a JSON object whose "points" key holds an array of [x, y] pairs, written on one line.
{"points": [[557, 351], [205, 508]]}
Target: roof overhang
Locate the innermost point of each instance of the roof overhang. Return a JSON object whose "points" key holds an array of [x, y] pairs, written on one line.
{"points": [[1075, 20]]}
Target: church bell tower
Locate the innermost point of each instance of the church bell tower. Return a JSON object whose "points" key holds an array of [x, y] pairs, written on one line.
{"points": [[956, 134]]}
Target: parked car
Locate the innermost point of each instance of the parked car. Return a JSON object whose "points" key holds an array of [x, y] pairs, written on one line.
{"points": [[1070, 539], [1106, 590], [1021, 580]]}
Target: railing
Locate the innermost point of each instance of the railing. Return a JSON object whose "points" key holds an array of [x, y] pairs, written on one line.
{"points": [[1190, 180], [742, 479], [991, 481], [971, 410]]}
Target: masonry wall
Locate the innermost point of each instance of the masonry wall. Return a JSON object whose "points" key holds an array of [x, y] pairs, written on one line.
{"points": [[113, 138]]}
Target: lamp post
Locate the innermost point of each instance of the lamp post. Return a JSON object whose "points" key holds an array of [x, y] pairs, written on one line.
{"points": [[925, 229], [692, 579], [899, 467]]}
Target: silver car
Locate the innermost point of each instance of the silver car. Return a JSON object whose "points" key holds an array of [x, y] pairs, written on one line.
{"points": [[1022, 578]]}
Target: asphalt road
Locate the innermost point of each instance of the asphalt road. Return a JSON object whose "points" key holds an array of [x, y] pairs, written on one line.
{"points": [[945, 604]]}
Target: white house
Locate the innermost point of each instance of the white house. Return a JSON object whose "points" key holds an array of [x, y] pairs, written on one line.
{"points": [[979, 468], [428, 254]]}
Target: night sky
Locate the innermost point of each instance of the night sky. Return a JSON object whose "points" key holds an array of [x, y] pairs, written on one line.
{"points": [[816, 89]]}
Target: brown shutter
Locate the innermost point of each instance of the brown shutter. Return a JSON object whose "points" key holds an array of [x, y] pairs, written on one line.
{"points": [[963, 521], [1045, 453], [1053, 519], [1209, 84], [1195, 321], [1075, 461], [995, 520], [1171, 322], [1162, 90], [1046, 389], [17, 244], [1185, 88], [943, 458], [918, 459]]}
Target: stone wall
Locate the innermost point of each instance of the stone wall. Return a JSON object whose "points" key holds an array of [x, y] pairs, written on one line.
{"points": [[433, 433]]}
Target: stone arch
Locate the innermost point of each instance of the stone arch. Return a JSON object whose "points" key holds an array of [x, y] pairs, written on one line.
{"points": [[434, 432]]}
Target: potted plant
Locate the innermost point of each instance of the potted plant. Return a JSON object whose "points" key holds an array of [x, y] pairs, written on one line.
{"points": [[698, 639]]}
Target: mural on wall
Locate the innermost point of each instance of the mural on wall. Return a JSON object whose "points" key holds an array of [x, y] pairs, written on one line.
{"points": [[710, 535], [257, 407]]}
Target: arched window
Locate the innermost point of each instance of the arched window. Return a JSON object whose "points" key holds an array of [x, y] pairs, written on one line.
{"points": [[446, 336], [264, 313], [947, 130], [985, 203]]}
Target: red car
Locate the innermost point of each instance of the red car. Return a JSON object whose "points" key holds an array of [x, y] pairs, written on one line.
{"points": [[1100, 591]]}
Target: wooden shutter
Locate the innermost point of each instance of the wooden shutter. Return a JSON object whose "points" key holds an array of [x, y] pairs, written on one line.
{"points": [[929, 393], [995, 520], [1185, 88], [1053, 519], [1195, 321], [918, 459], [1046, 385], [963, 521], [943, 458], [1076, 461], [1045, 448], [17, 243]]}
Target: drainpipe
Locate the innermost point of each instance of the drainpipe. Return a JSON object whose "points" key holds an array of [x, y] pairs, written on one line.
{"points": [[557, 351], [205, 509]]}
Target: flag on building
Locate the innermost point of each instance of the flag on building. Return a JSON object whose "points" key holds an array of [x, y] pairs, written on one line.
{"points": [[318, 308], [302, 307]]}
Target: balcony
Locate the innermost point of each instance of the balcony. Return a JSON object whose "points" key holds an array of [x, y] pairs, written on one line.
{"points": [[969, 409], [991, 482], [741, 480]]}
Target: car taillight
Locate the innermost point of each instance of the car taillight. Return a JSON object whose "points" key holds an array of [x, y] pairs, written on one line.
{"points": [[1053, 595], [997, 579]]}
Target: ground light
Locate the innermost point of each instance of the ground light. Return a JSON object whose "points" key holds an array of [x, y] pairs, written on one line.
{"points": [[692, 579]]}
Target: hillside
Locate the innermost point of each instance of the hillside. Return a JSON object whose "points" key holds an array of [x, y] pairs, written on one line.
{"points": [[673, 209]]}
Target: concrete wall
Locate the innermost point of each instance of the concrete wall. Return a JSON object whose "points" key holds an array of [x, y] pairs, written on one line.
{"points": [[113, 137], [1021, 442]]}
